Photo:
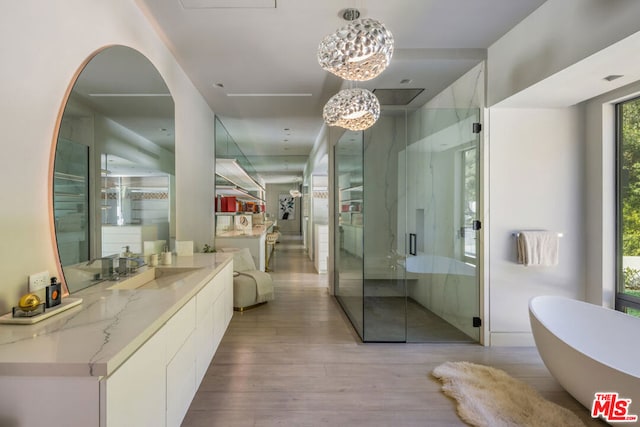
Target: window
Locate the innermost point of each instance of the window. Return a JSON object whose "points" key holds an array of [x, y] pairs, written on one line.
{"points": [[469, 204], [628, 207]]}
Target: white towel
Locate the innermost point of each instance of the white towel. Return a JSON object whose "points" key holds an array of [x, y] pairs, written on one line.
{"points": [[538, 248]]}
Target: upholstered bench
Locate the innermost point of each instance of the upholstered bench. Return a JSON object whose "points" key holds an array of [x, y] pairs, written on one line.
{"points": [[251, 287]]}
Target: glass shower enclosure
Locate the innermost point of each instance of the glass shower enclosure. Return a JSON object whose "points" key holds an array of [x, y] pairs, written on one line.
{"points": [[406, 226]]}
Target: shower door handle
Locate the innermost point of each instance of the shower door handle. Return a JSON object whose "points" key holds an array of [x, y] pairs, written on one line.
{"points": [[412, 244]]}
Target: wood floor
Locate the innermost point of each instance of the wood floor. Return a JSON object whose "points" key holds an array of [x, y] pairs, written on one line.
{"points": [[296, 361]]}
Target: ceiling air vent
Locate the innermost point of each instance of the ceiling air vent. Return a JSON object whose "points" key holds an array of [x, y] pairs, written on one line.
{"points": [[228, 4], [396, 96]]}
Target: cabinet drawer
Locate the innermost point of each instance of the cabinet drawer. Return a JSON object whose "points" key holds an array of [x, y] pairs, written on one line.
{"points": [[179, 327], [181, 382], [135, 394], [208, 295]]}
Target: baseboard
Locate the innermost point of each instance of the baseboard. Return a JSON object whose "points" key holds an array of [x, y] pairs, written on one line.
{"points": [[512, 339]]}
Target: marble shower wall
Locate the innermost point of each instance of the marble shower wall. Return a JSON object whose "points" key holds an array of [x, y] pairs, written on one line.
{"points": [[383, 240]]}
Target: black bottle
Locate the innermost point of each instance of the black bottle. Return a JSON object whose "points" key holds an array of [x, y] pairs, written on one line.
{"points": [[54, 296]]}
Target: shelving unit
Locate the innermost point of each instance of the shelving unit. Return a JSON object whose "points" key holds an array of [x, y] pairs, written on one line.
{"points": [[350, 204], [237, 192], [236, 178]]}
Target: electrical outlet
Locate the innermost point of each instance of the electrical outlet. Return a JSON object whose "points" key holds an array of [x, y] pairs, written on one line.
{"points": [[38, 281]]}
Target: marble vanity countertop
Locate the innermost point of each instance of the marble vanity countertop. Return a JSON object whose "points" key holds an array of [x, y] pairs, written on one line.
{"points": [[256, 231], [96, 337]]}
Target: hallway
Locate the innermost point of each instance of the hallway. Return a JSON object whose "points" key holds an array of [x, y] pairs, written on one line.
{"points": [[296, 361]]}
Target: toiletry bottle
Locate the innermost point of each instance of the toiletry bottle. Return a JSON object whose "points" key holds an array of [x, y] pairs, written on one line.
{"points": [[166, 256], [54, 294]]}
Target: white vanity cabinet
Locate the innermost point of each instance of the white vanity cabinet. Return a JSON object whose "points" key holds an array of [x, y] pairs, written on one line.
{"points": [[136, 391], [156, 385], [124, 357], [181, 363], [212, 318]]}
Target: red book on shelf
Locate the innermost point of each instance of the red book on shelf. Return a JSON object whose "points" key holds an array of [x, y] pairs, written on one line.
{"points": [[228, 204]]}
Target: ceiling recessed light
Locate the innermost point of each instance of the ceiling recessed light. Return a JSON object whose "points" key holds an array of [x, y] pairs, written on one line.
{"points": [[218, 84], [613, 77], [405, 81], [287, 129]]}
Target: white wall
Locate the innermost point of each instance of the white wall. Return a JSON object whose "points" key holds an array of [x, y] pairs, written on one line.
{"points": [[44, 46], [574, 192], [557, 35], [536, 174], [317, 164]]}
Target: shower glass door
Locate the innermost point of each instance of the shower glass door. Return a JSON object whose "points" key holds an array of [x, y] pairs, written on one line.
{"points": [[441, 215], [408, 270]]}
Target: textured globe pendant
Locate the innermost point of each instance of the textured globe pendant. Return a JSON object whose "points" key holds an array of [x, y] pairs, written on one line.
{"points": [[359, 51], [353, 109]]}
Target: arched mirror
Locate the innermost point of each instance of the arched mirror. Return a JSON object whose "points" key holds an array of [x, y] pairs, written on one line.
{"points": [[113, 174]]}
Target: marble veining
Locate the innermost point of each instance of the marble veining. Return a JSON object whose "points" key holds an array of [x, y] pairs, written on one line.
{"points": [[94, 338]]}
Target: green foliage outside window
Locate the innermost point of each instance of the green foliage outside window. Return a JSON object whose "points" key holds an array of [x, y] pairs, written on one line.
{"points": [[630, 178], [629, 187]]}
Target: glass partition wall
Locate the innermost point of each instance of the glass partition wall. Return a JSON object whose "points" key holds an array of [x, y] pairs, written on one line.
{"points": [[406, 227], [349, 227]]}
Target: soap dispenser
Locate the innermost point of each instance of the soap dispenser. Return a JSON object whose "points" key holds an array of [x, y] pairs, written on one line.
{"points": [[165, 256], [54, 294]]}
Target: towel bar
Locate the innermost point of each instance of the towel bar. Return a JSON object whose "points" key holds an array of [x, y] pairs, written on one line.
{"points": [[517, 234]]}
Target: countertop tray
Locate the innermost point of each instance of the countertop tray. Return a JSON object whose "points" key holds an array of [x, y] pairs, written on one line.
{"points": [[66, 304]]}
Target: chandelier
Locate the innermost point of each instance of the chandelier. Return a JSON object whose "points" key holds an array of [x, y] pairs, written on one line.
{"points": [[353, 109], [359, 51]]}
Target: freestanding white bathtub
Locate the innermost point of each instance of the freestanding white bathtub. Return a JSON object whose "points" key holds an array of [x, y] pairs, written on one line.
{"points": [[588, 348]]}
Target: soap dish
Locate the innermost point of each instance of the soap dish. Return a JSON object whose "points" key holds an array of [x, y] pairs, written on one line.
{"points": [[66, 304]]}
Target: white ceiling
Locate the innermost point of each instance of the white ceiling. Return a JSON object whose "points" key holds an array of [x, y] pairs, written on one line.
{"points": [[252, 48]]}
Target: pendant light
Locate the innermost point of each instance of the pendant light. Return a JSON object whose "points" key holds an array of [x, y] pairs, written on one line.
{"points": [[359, 51], [353, 109]]}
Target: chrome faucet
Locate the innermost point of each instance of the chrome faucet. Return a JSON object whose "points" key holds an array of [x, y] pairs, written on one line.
{"points": [[108, 271], [128, 265]]}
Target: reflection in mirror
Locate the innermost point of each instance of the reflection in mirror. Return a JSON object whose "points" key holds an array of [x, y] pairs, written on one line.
{"points": [[113, 168]]}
